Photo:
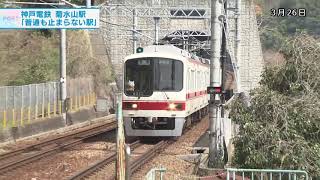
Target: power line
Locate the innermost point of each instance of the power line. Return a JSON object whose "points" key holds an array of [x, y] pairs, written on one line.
{"points": [[126, 29], [49, 5]]}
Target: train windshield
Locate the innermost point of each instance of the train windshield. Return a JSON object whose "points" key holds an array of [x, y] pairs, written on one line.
{"points": [[145, 75]]}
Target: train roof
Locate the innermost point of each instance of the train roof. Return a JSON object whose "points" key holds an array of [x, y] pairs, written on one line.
{"points": [[169, 49]]}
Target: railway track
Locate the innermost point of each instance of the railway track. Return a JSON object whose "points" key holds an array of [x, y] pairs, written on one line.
{"points": [[135, 163], [30, 153], [148, 155]]}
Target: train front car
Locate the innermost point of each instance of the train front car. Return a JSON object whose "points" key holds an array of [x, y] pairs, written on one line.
{"points": [[155, 92]]}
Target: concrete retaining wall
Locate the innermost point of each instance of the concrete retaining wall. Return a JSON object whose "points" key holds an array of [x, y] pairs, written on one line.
{"points": [[49, 124]]}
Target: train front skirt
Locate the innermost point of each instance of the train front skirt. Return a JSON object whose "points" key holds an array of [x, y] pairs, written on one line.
{"points": [[133, 127]]}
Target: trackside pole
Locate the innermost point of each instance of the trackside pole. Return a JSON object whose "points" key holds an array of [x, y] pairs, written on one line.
{"points": [[63, 74], [88, 3], [238, 49], [121, 149], [215, 161], [134, 33], [156, 30], [128, 170], [63, 70]]}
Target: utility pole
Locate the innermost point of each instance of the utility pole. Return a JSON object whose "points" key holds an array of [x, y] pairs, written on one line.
{"points": [[215, 161], [238, 50], [156, 32], [63, 74], [88, 3], [63, 70], [121, 165], [134, 32]]}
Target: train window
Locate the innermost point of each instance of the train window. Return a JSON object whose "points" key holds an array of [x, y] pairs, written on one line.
{"points": [[201, 80], [138, 78], [204, 80], [208, 76], [144, 62], [145, 75], [198, 80], [168, 75], [194, 81], [188, 80]]}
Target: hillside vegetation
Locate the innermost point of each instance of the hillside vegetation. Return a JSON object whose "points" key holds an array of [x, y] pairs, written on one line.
{"points": [[33, 57], [275, 31], [281, 128]]}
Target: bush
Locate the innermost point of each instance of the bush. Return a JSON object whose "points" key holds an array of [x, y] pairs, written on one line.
{"points": [[28, 57], [33, 57], [281, 128]]}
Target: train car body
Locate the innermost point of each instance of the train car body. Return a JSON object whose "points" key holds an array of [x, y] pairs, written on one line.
{"points": [[164, 91]]}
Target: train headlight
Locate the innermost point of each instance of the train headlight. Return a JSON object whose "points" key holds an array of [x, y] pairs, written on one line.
{"points": [[176, 106], [134, 106], [172, 106], [179, 106]]}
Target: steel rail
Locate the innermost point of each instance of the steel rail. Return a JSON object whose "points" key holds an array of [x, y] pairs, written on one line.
{"points": [[136, 163], [141, 160], [18, 162], [147, 156], [50, 141], [100, 164]]}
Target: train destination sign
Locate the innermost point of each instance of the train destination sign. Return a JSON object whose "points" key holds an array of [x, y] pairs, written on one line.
{"points": [[49, 18], [214, 90]]}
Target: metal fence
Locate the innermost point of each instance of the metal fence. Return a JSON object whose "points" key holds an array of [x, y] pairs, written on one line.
{"points": [[233, 174], [22, 104], [266, 174], [155, 173]]}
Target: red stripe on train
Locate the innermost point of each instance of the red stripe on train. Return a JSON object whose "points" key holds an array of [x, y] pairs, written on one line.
{"points": [[148, 105], [195, 94]]}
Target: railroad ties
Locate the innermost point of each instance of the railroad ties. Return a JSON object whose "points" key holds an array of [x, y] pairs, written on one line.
{"points": [[24, 155]]}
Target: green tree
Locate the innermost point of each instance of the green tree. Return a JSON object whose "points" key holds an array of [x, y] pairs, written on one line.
{"points": [[43, 68], [279, 29], [280, 129]]}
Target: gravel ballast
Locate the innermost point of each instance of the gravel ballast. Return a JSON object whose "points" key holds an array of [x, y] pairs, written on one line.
{"points": [[176, 168]]}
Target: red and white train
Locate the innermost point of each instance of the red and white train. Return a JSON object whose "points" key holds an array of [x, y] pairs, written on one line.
{"points": [[165, 90]]}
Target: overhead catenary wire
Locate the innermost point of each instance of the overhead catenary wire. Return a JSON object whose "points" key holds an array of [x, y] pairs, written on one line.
{"points": [[49, 4], [129, 28]]}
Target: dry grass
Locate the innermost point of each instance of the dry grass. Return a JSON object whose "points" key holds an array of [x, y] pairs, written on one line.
{"points": [[22, 50], [18, 49]]}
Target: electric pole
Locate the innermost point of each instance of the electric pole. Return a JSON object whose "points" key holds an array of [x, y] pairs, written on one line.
{"points": [[63, 74], [215, 159], [121, 165], [156, 28], [63, 70], [88, 3], [134, 33], [238, 50]]}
